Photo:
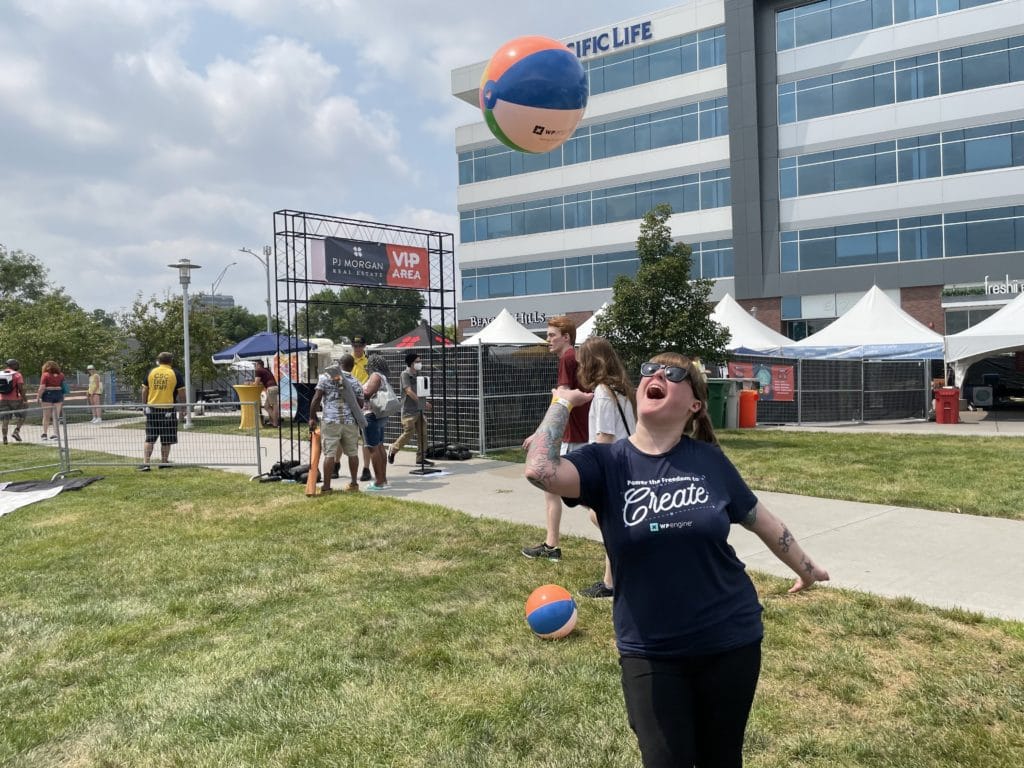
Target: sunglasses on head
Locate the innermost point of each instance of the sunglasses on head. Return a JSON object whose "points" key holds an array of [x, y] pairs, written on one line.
{"points": [[672, 372]]}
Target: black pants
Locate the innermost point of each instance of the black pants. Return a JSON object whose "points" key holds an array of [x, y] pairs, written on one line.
{"points": [[691, 711]]}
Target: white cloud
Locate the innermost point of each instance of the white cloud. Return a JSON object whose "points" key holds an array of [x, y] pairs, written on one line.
{"points": [[140, 132]]}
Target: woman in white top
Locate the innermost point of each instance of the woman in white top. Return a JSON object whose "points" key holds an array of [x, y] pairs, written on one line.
{"points": [[612, 416]]}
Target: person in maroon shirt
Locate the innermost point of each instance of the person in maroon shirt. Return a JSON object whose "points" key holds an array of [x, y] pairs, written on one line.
{"points": [[561, 338], [272, 404]]}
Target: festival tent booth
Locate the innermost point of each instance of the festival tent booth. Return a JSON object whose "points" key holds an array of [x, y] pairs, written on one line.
{"points": [[420, 336], [748, 334], [998, 333], [875, 328], [262, 345], [586, 328], [504, 330]]}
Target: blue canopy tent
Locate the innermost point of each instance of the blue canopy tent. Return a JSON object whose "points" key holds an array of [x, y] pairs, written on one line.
{"points": [[263, 344]]}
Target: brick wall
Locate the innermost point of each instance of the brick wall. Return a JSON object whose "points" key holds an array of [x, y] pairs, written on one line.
{"points": [[924, 304], [769, 311]]}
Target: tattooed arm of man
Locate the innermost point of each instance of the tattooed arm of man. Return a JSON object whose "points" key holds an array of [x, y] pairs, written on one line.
{"points": [[544, 466], [774, 533]]}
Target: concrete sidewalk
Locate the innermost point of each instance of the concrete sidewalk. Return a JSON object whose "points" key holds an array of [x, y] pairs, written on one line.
{"points": [[942, 559]]}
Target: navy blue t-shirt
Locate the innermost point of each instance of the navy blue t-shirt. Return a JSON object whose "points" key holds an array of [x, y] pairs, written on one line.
{"points": [[680, 590]]}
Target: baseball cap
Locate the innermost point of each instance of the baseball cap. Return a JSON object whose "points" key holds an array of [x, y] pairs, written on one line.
{"points": [[90, 367], [358, 341]]}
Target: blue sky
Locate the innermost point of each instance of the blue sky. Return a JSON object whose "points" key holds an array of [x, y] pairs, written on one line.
{"points": [[134, 133]]}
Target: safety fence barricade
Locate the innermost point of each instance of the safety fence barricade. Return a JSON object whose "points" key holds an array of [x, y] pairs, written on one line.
{"points": [[212, 437]]}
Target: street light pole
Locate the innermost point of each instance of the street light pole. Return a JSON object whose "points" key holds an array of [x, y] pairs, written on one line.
{"points": [[216, 283], [183, 267], [265, 261]]}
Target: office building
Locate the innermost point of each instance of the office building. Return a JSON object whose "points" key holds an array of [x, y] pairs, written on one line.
{"points": [[809, 151]]}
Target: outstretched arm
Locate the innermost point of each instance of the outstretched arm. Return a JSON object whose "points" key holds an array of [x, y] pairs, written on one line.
{"points": [[544, 467], [776, 536]]}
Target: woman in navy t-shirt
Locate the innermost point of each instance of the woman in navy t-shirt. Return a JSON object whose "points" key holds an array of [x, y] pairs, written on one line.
{"points": [[687, 618]]}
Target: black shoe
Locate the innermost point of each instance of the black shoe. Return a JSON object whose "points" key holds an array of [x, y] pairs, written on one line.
{"points": [[542, 550], [391, 457], [365, 477], [597, 590], [425, 463], [143, 467], [16, 434]]}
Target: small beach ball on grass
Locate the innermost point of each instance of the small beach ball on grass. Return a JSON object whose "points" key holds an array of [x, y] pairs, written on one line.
{"points": [[551, 612], [533, 94]]}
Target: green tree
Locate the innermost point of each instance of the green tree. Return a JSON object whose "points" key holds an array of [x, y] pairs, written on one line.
{"points": [[39, 322], [22, 276], [55, 328], [156, 326], [236, 323], [378, 314], [662, 308]]}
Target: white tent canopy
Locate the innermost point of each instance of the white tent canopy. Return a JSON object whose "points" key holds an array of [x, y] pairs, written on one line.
{"points": [[503, 329], [873, 328], [1001, 332], [748, 333], [587, 326]]}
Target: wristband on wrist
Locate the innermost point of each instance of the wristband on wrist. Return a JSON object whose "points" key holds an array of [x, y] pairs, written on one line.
{"points": [[556, 400]]}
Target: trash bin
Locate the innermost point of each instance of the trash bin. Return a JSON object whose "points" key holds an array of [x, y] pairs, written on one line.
{"points": [[303, 396], [716, 402], [748, 408], [732, 405], [947, 405], [249, 399]]}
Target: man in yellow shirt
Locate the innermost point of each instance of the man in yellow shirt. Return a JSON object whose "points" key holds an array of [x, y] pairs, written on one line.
{"points": [[162, 388], [361, 375]]}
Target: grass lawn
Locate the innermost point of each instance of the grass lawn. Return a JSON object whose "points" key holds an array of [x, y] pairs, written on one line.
{"points": [[192, 618], [973, 475]]}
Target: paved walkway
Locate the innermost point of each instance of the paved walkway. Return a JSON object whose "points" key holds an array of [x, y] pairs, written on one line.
{"points": [[938, 558]]}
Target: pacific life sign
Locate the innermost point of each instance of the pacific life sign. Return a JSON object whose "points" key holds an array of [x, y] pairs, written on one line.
{"points": [[359, 262]]}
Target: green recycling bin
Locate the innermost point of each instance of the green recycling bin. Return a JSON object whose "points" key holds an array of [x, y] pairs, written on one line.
{"points": [[717, 391]]}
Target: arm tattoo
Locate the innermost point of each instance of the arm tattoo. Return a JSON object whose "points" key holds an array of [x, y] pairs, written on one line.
{"points": [[542, 457], [785, 539], [806, 565], [751, 518]]}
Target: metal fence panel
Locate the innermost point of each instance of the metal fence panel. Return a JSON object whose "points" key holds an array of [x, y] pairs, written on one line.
{"points": [[215, 439], [47, 459]]}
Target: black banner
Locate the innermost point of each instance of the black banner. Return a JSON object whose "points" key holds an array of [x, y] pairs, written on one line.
{"points": [[355, 262]]}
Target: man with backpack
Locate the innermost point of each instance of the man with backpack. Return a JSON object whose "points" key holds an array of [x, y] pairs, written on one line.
{"points": [[12, 399]]}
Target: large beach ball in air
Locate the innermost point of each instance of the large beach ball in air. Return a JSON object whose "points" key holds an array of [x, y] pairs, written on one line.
{"points": [[533, 94], [551, 612]]}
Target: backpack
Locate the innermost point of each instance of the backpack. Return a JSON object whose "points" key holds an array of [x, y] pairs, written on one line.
{"points": [[6, 382]]}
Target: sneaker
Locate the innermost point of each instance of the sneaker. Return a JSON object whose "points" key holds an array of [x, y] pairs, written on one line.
{"points": [[325, 491], [544, 551], [143, 467], [44, 438], [16, 434], [391, 457], [5, 439], [352, 488], [54, 437], [164, 465], [597, 590], [365, 477], [375, 487]]}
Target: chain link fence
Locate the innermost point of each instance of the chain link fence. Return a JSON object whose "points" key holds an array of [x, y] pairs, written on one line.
{"points": [[117, 438], [846, 390]]}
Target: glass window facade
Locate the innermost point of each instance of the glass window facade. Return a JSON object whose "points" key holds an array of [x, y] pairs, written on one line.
{"points": [[985, 148], [693, 192], [917, 77], [711, 259], [829, 19], [665, 58], [966, 233], [691, 122]]}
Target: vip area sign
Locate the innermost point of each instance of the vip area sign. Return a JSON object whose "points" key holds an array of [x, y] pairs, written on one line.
{"points": [[358, 262]]}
